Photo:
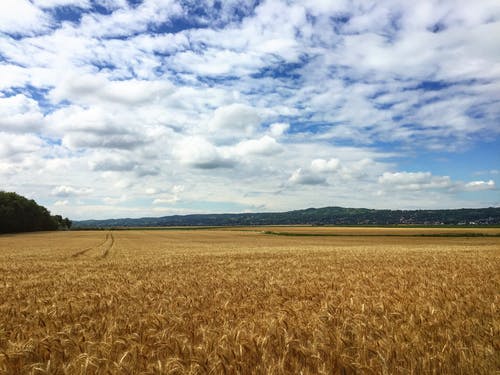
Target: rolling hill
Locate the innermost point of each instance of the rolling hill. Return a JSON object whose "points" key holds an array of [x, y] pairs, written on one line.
{"points": [[314, 216]]}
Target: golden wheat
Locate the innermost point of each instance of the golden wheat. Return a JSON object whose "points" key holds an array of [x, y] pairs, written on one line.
{"points": [[242, 302]]}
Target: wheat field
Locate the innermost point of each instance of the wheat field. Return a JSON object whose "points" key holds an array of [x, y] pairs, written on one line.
{"points": [[243, 301]]}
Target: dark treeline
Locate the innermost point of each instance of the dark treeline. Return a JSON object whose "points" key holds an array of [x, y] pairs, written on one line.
{"points": [[315, 216], [19, 214]]}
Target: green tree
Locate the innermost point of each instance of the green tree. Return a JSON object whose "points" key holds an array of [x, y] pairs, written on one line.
{"points": [[19, 214]]}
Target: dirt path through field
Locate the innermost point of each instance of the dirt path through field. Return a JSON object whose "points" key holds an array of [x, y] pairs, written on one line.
{"points": [[107, 244]]}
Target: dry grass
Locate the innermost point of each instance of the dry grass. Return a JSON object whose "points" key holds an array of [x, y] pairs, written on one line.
{"points": [[218, 301]]}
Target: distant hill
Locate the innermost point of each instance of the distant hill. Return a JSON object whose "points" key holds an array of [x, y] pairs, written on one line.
{"points": [[19, 214], [314, 216]]}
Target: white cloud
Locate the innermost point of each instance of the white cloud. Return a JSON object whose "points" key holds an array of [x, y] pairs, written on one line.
{"points": [[12, 146], [304, 177], [199, 153], [278, 129], [235, 118], [113, 163], [13, 76], [95, 127], [166, 196], [21, 16], [414, 181], [165, 200], [97, 89], [19, 114], [322, 165], [58, 3], [64, 191], [265, 145], [317, 173], [480, 185], [126, 20]]}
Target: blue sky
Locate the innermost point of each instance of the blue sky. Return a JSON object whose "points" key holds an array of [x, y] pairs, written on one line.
{"points": [[120, 108]]}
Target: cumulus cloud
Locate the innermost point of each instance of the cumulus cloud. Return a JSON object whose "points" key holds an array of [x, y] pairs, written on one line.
{"points": [[199, 153], [305, 177], [278, 129], [317, 173], [322, 165], [235, 119], [19, 114], [480, 185], [265, 145]]}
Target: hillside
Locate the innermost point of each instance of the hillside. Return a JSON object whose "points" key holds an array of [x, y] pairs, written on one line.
{"points": [[314, 216]]}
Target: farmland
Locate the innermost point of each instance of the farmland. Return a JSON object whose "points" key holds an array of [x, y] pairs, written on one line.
{"points": [[270, 300]]}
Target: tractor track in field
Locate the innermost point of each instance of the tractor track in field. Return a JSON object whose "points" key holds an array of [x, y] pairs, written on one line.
{"points": [[108, 241], [109, 246]]}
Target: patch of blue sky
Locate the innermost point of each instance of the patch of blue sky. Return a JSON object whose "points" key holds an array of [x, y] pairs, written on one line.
{"points": [[455, 87], [134, 3], [384, 106], [36, 93], [101, 65], [99, 7], [481, 156], [437, 27], [280, 68], [483, 198], [67, 13], [483, 111], [432, 85], [300, 127], [394, 24], [221, 13], [311, 18], [240, 13], [214, 81], [19, 36], [175, 25], [178, 79], [51, 142], [274, 89], [338, 21], [286, 71]]}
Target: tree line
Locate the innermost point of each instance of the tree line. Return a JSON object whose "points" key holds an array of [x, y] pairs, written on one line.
{"points": [[19, 214]]}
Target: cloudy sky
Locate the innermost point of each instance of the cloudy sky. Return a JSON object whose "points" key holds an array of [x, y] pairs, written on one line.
{"points": [[129, 108]]}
